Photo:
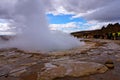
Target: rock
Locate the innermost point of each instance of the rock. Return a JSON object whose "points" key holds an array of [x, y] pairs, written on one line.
{"points": [[4, 71], [117, 55], [32, 72], [118, 60], [70, 68], [29, 64], [18, 71], [52, 73], [109, 64], [27, 71]]}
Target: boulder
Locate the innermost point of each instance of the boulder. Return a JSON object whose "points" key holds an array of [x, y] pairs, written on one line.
{"points": [[109, 64], [70, 68]]}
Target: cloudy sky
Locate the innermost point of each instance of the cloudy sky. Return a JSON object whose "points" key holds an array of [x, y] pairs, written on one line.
{"points": [[78, 15]]}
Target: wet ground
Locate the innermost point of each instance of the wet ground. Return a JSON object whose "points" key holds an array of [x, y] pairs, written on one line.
{"points": [[109, 50], [20, 65]]}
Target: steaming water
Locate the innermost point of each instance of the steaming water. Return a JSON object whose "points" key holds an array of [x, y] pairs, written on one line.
{"points": [[29, 17]]}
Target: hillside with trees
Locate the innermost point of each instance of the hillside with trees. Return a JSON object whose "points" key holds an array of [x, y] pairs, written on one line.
{"points": [[111, 31]]}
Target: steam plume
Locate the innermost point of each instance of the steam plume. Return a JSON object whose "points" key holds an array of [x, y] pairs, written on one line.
{"points": [[28, 16]]}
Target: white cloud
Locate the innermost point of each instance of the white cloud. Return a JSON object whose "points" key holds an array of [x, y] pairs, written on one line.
{"points": [[97, 26], [93, 25], [99, 10], [78, 26], [78, 15], [60, 11], [4, 27], [68, 27], [7, 33]]}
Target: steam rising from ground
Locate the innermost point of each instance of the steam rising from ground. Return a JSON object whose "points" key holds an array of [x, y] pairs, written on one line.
{"points": [[28, 16]]}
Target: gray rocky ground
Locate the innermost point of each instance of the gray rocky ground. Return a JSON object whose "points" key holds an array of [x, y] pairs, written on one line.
{"points": [[96, 60]]}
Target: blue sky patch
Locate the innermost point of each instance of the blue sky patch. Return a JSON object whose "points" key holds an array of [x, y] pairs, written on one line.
{"points": [[63, 19], [79, 23]]}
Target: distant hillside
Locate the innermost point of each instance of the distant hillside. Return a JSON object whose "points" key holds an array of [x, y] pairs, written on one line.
{"points": [[99, 33]]}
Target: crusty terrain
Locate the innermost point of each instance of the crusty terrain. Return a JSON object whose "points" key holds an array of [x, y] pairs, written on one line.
{"points": [[103, 57]]}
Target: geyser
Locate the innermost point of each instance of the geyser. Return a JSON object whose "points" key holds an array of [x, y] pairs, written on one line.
{"points": [[28, 16]]}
